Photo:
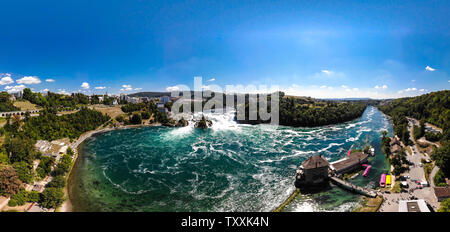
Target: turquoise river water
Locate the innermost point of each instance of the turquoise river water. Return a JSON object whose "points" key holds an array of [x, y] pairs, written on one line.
{"points": [[229, 167]]}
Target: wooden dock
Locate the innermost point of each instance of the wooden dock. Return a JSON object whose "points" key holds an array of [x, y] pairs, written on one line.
{"points": [[354, 188]]}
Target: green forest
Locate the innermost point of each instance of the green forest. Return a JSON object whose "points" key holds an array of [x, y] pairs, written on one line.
{"points": [[17, 153], [6, 104], [433, 108], [308, 112], [63, 101]]}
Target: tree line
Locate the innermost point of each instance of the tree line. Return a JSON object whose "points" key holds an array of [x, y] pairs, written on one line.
{"points": [[305, 111]]}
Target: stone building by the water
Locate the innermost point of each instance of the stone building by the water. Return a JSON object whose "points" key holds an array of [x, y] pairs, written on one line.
{"points": [[313, 171]]}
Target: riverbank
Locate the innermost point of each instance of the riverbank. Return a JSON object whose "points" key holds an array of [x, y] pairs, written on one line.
{"points": [[67, 205], [415, 172]]}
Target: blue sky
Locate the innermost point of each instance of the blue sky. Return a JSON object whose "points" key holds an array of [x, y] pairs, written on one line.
{"points": [[375, 49]]}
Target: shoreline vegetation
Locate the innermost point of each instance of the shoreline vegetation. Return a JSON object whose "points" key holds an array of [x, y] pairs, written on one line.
{"points": [[369, 204], [304, 111], [432, 108]]}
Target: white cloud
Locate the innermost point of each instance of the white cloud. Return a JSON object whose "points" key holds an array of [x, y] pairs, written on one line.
{"points": [[428, 68], [15, 89], [50, 80], [138, 89], [323, 86], [63, 91], [29, 80], [126, 88], [6, 79], [44, 90], [85, 85], [206, 87], [100, 87], [172, 88], [212, 79], [344, 86], [328, 72], [422, 90], [413, 80], [407, 90], [381, 87]]}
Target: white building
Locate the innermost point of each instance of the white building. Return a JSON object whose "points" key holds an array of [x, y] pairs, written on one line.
{"points": [[413, 206], [164, 99], [17, 94], [133, 100], [123, 97]]}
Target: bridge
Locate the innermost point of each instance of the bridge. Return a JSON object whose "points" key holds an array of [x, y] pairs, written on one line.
{"points": [[4, 114], [354, 188]]}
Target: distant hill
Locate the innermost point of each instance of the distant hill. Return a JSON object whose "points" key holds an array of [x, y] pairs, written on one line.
{"points": [[160, 94], [149, 94], [347, 99]]}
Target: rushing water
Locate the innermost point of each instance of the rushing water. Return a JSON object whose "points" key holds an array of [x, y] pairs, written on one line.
{"points": [[230, 167]]}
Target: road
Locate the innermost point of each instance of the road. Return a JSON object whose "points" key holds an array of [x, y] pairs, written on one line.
{"points": [[416, 173], [432, 174]]}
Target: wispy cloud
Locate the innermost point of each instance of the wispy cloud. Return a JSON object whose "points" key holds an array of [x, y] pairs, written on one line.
{"points": [[407, 90], [50, 80], [100, 87], [381, 87], [63, 91], [328, 72], [428, 68], [212, 79], [126, 88]]}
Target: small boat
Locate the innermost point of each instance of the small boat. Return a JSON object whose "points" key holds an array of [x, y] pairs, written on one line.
{"points": [[366, 172], [372, 151]]}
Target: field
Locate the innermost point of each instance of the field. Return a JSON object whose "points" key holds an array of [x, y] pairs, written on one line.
{"points": [[113, 111], [25, 105], [370, 204]]}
